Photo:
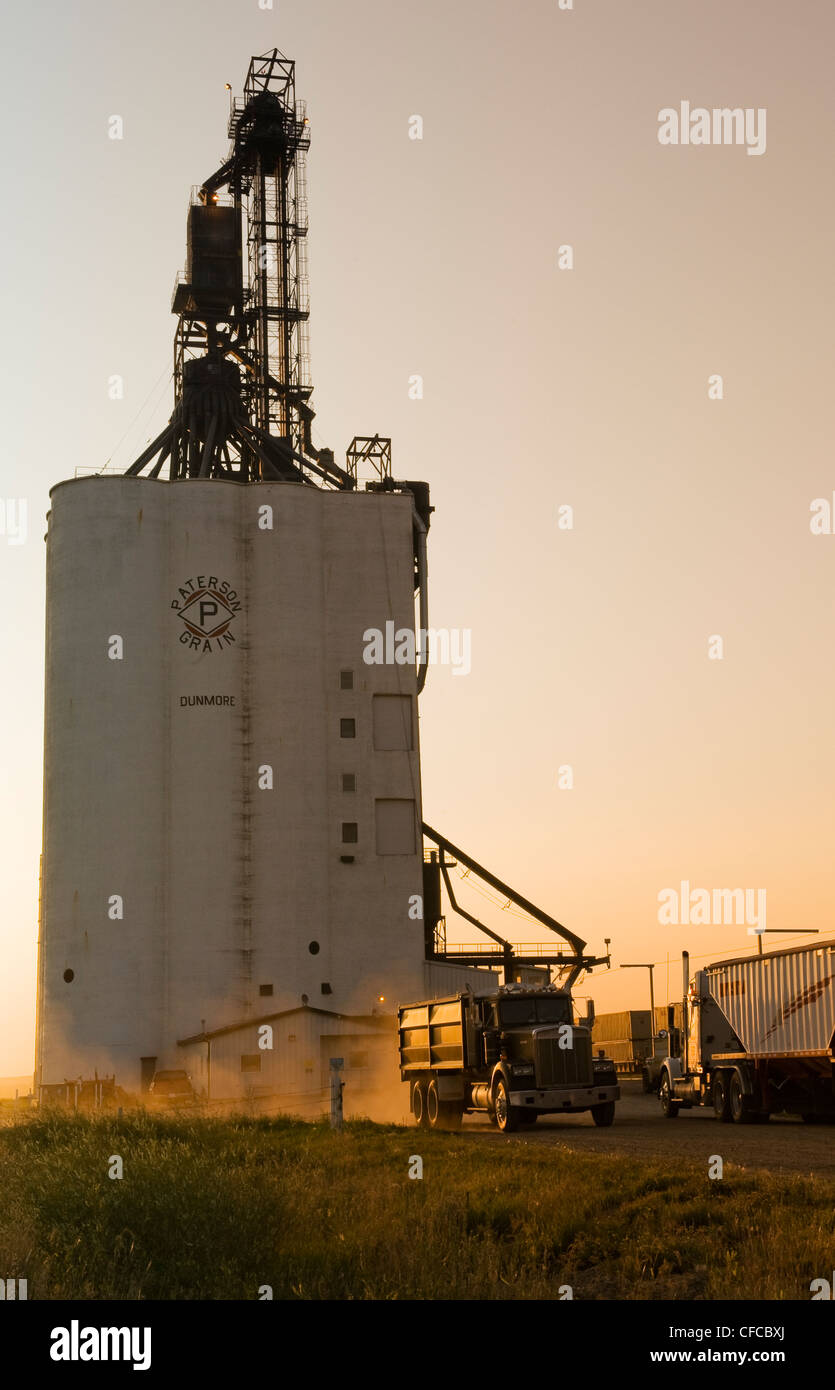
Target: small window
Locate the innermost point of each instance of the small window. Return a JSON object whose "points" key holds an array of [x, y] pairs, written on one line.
{"points": [[265, 989], [251, 1061], [349, 781], [313, 948], [347, 728], [346, 680], [326, 989], [350, 832], [69, 976]]}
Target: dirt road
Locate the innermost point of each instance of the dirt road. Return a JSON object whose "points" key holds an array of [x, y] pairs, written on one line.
{"points": [[784, 1145]]}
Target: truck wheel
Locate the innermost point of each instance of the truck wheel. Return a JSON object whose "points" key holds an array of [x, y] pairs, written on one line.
{"points": [[742, 1112], [434, 1108], [721, 1098], [527, 1117], [507, 1117], [646, 1082], [669, 1107], [603, 1114], [419, 1105]]}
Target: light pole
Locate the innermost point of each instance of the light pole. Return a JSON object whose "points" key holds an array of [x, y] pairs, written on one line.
{"points": [[650, 968]]}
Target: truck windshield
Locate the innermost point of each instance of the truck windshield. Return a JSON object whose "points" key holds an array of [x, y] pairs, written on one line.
{"points": [[518, 1011]]}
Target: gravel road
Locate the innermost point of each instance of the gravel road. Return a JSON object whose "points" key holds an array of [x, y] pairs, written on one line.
{"points": [[784, 1145]]}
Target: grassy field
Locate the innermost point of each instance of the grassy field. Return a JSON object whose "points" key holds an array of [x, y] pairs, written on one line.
{"points": [[214, 1209]]}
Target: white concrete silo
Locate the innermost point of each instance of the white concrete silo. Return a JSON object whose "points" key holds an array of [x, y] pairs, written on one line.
{"points": [[205, 857]]}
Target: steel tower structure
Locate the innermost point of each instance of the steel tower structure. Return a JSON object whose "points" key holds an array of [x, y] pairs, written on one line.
{"points": [[241, 374]]}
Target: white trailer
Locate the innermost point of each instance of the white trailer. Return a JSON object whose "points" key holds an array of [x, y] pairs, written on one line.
{"points": [[757, 1038]]}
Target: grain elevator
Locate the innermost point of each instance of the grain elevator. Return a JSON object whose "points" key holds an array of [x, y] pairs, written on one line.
{"points": [[233, 869]]}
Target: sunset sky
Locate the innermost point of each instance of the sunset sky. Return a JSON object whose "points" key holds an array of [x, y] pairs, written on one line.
{"points": [[542, 388]]}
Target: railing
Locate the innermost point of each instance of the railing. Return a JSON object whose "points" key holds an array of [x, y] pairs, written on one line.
{"points": [[479, 948]]}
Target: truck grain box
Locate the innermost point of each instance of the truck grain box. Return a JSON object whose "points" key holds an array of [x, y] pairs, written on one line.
{"points": [[513, 1054], [628, 1023], [757, 1038], [668, 1016]]}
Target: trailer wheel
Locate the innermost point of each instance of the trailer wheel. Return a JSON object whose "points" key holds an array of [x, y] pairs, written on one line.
{"points": [[742, 1112], [669, 1107], [507, 1117], [721, 1098], [419, 1105], [603, 1114], [434, 1108]]}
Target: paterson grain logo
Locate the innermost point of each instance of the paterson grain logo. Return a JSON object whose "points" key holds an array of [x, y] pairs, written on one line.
{"points": [[207, 606]]}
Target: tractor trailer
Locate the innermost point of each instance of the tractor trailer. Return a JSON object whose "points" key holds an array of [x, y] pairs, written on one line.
{"points": [[513, 1054], [757, 1038]]}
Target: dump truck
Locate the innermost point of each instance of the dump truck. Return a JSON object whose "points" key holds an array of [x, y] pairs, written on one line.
{"points": [[513, 1054], [757, 1038]]}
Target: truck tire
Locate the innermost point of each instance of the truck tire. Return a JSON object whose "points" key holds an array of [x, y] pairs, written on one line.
{"points": [[527, 1117], [721, 1098], [419, 1105], [507, 1116], [669, 1107], [442, 1114], [742, 1111], [646, 1082], [603, 1114]]}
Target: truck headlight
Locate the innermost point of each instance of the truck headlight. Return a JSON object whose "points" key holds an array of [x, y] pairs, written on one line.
{"points": [[522, 1069]]}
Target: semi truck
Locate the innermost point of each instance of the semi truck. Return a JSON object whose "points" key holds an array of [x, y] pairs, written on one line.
{"points": [[513, 1054], [757, 1038]]}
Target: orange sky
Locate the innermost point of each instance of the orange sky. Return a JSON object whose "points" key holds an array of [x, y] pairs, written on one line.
{"points": [[541, 388]]}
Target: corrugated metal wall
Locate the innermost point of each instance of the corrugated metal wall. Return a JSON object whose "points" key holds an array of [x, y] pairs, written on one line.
{"points": [[442, 978]]}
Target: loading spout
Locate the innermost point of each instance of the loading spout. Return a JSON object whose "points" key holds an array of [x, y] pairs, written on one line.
{"points": [[468, 916], [575, 942]]}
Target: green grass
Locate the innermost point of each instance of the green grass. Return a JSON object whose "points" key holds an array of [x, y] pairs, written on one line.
{"points": [[214, 1208]]}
